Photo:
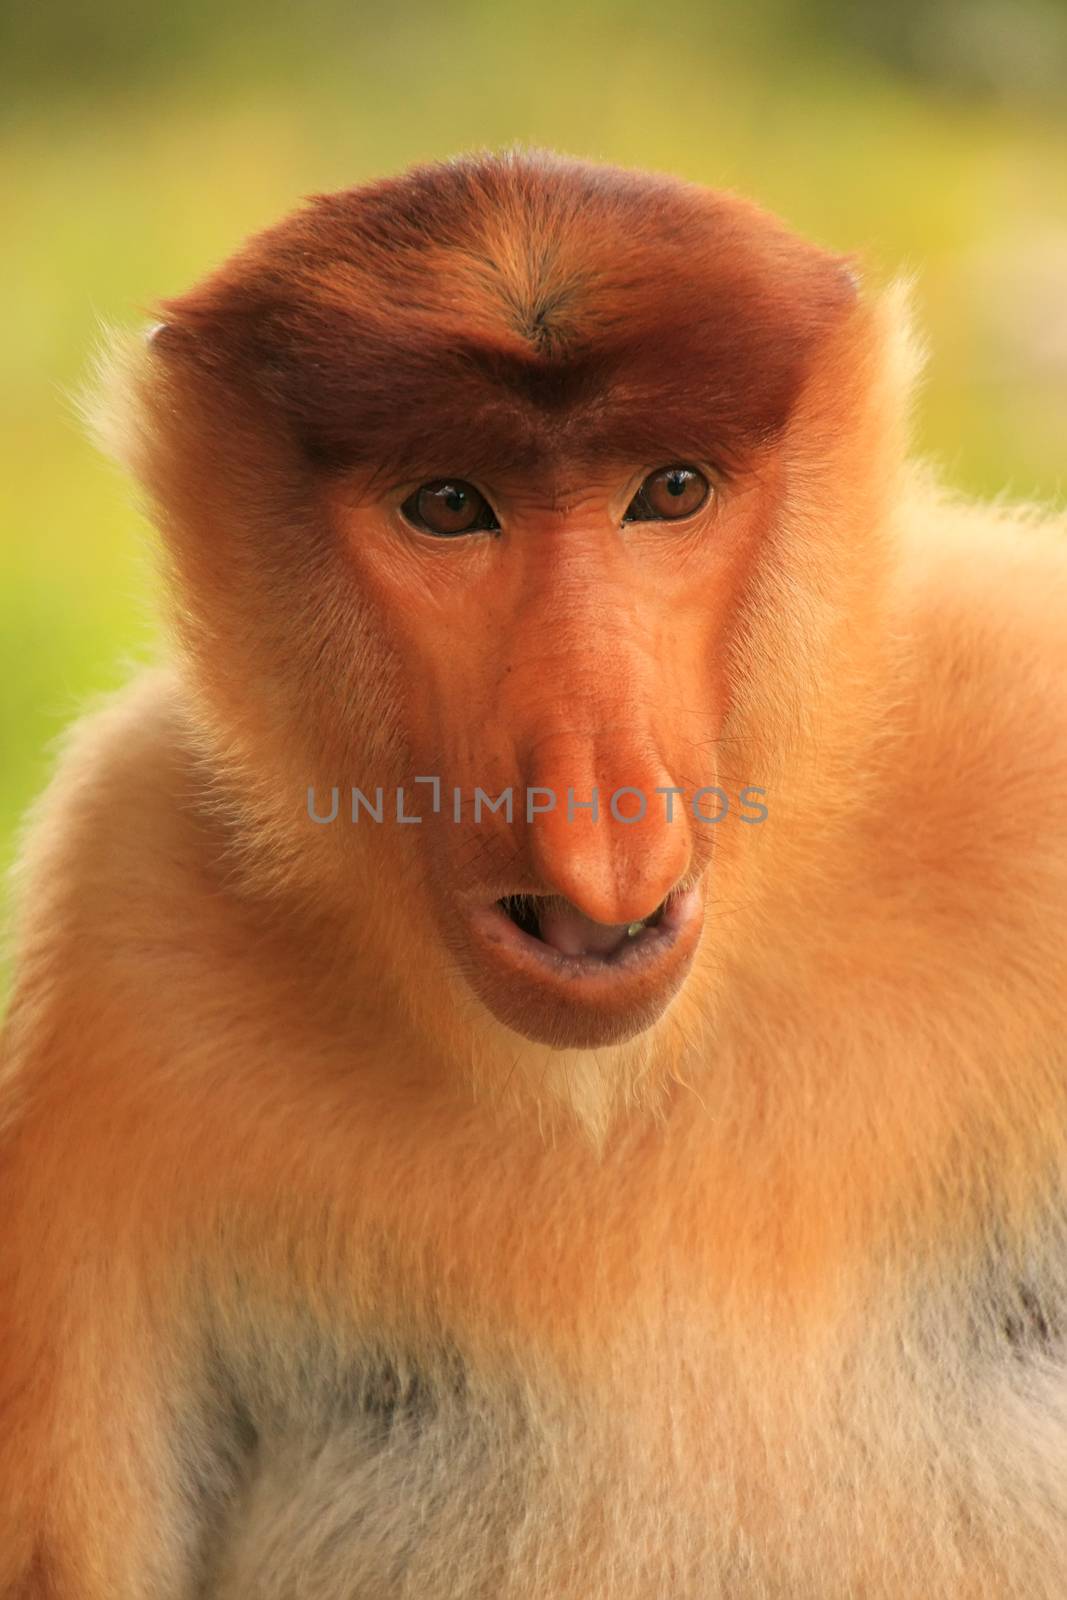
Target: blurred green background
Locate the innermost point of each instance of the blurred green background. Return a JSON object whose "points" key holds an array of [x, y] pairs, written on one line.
{"points": [[138, 144]]}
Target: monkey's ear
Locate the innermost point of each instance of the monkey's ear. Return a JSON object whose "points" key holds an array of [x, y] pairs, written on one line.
{"points": [[850, 271], [169, 337]]}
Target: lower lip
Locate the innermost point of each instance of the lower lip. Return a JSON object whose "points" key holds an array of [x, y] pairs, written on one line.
{"points": [[582, 1001]]}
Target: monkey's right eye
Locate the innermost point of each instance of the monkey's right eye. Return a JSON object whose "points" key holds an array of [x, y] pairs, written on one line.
{"points": [[448, 507]]}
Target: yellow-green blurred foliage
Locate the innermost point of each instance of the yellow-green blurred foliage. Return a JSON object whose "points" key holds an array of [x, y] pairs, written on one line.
{"points": [[138, 149]]}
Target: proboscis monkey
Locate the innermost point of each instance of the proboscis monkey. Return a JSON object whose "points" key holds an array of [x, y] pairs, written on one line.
{"points": [[537, 1065]]}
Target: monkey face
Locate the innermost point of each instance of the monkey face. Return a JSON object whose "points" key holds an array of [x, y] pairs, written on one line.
{"points": [[512, 429], [550, 645]]}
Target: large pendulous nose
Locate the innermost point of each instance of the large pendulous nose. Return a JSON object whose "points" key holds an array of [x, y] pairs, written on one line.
{"points": [[603, 829]]}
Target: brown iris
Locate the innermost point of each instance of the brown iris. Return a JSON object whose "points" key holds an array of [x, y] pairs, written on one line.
{"points": [[667, 494], [448, 507]]}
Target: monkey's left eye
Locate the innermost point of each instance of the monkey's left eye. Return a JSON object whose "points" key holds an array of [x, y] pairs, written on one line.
{"points": [[670, 493], [448, 507]]}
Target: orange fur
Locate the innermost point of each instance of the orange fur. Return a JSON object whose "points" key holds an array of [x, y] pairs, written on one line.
{"points": [[320, 1278]]}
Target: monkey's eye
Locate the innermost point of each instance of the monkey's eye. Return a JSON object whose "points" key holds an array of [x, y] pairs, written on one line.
{"points": [[447, 507], [670, 493]]}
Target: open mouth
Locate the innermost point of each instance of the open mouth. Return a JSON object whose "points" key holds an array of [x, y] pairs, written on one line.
{"points": [[561, 929], [553, 974]]}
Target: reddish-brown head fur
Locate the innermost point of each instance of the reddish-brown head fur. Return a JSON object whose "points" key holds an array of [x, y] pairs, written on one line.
{"points": [[517, 314], [551, 332]]}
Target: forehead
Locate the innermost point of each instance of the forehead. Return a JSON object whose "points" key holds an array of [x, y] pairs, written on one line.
{"points": [[519, 313]]}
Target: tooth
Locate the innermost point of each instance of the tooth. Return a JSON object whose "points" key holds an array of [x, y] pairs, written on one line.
{"points": [[634, 929]]}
